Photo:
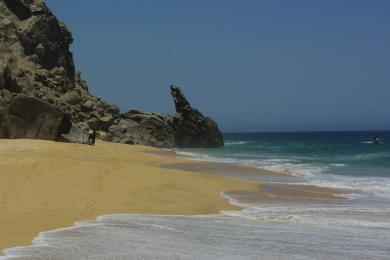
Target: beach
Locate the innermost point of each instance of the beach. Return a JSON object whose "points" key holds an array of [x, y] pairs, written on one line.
{"points": [[47, 185]]}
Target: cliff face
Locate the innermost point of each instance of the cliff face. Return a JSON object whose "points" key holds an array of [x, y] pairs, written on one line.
{"points": [[37, 67], [35, 61]]}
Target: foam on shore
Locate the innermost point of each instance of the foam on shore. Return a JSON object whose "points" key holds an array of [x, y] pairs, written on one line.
{"points": [[211, 237]]}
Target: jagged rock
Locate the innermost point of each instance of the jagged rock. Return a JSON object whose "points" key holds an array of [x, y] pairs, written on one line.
{"points": [[82, 83], [141, 128], [30, 117], [43, 35], [191, 128]]}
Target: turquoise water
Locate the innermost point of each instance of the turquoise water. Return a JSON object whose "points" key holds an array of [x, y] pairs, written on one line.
{"points": [[336, 159]]}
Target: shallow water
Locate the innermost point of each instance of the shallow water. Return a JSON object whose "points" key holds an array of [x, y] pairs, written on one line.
{"points": [[277, 234]]}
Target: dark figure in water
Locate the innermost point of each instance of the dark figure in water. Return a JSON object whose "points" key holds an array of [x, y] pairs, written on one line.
{"points": [[92, 137], [376, 140]]}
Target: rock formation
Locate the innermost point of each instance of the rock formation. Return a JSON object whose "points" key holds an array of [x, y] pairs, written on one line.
{"points": [[191, 128], [43, 96], [187, 128]]}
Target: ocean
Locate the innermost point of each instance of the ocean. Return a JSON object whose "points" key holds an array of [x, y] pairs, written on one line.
{"points": [[354, 228], [348, 160]]}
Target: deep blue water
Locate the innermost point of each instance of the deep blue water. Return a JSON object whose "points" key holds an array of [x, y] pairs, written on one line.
{"points": [[337, 159], [353, 153]]}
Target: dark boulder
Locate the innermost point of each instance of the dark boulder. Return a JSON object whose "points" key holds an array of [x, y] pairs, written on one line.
{"points": [[30, 117]]}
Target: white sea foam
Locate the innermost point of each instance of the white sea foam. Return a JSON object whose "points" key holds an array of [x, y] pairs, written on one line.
{"points": [[278, 233], [378, 187], [338, 164], [244, 162], [370, 156], [370, 186], [297, 169], [325, 215], [238, 143]]}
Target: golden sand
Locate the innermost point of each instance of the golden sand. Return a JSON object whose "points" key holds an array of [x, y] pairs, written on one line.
{"points": [[47, 185]]}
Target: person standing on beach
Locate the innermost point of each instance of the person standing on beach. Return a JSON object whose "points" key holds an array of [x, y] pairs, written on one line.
{"points": [[92, 137]]}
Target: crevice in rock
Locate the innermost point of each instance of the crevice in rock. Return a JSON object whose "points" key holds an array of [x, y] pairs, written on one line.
{"points": [[10, 84], [19, 9]]}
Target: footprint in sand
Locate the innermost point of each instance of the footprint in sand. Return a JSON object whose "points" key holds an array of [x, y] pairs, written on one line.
{"points": [[96, 189], [4, 201]]}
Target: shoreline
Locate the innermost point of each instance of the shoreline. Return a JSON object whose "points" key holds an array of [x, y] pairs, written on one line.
{"points": [[286, 189], [169, 185]]}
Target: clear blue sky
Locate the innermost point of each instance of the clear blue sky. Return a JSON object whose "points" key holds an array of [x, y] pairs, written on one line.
{"points": [[252, 65]]}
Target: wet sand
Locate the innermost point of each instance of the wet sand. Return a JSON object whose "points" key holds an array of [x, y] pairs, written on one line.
{"points": [[287, 189], [216, 168]]}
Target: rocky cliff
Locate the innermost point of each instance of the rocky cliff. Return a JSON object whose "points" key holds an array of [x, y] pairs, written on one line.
{"points": [[43, 96]]}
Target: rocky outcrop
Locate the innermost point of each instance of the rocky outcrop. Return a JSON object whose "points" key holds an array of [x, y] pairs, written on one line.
{"points": [[43, 96], [187, 128], [191, 128], [138, 127]]}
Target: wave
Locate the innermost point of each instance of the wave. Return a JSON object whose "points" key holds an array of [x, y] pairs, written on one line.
{"points": [[257, 163], [338, 164], [370, 156], [291, 166], [317, 214], [368, 187], [238, 142], [254, 233], [315, 174], [378, 187], [259, 233]]}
